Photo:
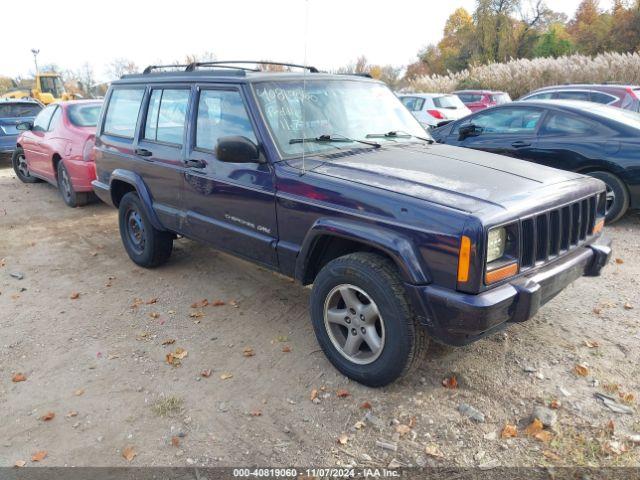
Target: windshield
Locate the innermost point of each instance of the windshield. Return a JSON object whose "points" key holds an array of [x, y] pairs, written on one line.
{"points": [[18, 110], [84, 115], [345, 108], [448, 101], [52, 85]]}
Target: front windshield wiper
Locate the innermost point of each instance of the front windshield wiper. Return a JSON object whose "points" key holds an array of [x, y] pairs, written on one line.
{"points": [[332, 138], [399, 134]]}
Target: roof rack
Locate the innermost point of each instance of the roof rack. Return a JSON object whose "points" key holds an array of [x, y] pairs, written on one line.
{"points": [[150, 68], [231, 64]]}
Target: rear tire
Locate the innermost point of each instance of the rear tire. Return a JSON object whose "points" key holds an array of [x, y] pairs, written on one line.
{"points": [[21, 167], [69, 195], [363, 320], [617, 195], [145, 245]]}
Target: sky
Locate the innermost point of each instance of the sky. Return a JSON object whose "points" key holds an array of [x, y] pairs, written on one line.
{"points": [[148, 32]]}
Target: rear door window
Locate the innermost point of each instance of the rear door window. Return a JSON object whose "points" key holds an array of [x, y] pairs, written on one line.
{"points": [[122, 112], [574, 95], [166, 115], [506, 121], [221, 113], [603, 98], [562, 124], [42, 120]]}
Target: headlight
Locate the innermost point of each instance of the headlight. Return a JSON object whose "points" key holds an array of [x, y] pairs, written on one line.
{"points": [[496, 243]]}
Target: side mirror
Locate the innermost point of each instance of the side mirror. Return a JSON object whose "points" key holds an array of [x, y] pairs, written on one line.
{"points": [[24, 126], [237, 150], [470, 130]]}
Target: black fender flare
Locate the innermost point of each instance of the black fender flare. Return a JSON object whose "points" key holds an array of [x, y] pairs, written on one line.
{"points": [[141, 189], [396, 245]]}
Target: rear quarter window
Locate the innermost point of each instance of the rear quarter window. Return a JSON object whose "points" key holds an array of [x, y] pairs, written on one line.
{"points": [[122, 112]]}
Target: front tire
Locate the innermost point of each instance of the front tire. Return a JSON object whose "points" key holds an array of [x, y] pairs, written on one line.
{"points": [[617, 196], [145, 245], [21, 167], [69, 195], [363, 320]]}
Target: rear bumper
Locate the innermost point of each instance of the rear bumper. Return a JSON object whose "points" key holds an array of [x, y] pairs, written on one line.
{"points": [[82, 174], [102, 191], [457, 319]]}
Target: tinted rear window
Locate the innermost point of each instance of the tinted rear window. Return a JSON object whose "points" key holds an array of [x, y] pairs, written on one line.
{"points": [[18, 110], [84, 115], [448, 101], [122, 113], [469, 97]]}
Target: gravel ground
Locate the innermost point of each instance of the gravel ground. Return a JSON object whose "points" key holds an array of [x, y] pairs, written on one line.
{"points": [[90, 332]]}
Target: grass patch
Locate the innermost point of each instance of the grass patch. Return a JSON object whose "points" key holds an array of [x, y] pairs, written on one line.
{"points": [[167, 406]]}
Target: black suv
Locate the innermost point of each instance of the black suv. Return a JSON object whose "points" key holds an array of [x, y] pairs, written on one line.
{"points": [[329, 179]]}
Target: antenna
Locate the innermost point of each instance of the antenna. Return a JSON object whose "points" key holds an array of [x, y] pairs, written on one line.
{"points": [[304, 83]]}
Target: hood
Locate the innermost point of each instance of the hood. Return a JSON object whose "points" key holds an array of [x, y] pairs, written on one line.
{"points": [[456, 177]]}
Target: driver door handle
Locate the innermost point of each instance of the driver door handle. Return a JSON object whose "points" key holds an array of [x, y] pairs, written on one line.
{"points": [[143, 152], [195, 163], [520, 144]]}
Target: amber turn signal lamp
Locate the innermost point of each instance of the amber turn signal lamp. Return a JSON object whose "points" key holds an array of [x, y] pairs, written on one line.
{"points": [[597, 228], [501, 273], [464, 259]]}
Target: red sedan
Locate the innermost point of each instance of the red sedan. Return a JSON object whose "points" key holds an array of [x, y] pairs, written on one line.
{"points": [[58, 148]]}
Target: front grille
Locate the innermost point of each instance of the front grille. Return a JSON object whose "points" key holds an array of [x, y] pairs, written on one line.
{"points": [[557, 231]]}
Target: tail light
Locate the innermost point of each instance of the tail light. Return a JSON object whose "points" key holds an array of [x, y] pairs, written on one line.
{"points": [[88, 153], [436, 114]]}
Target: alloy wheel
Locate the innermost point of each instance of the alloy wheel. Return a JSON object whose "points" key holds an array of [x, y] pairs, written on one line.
{"points": [[354, 324]]}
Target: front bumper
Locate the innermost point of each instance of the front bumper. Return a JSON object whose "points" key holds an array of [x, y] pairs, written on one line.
{"points": [[457, 318]]}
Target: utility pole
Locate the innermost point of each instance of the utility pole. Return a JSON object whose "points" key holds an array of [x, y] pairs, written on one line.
{"points": [[35, 57]]}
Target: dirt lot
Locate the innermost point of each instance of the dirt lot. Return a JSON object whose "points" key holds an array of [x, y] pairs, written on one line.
{"points": [[99, 364]]}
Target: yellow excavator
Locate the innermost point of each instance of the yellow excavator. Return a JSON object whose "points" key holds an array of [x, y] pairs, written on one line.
{"points": [[47, 88]]}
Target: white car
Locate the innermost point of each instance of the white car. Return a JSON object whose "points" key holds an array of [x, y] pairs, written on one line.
{"points": [[432, 109]]}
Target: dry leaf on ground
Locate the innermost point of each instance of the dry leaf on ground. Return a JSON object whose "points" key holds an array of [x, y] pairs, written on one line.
{"points": [[175, 441], [286, 349], [342, 393], [255, 413], [543, 436], [129, 453], [74, 296], [509, 431], [619, 261], [555, 404], [403, 429], [154, 315], [343, 439], [48, 416], [39, 456], [248, 352], [217, 303], [591, 343], [226, 376], [450, 382], [581, 370], [534, 427], [20, 463], [365, 405], [72, 413], [314, 394], [78, 392], [18, 377], [628, 306], [200, 303], [197, 314], [180, 353], [169, 341], [433, 450], [206, 373], [148, 302]]}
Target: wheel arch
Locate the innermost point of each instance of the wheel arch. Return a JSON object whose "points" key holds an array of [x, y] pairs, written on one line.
{"points": [[329, 239], [123, 182]]}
